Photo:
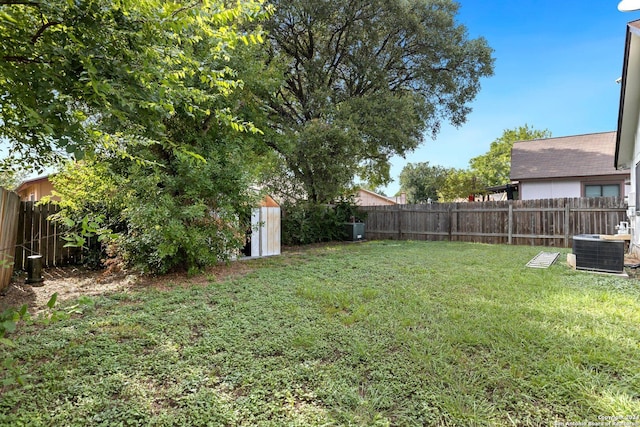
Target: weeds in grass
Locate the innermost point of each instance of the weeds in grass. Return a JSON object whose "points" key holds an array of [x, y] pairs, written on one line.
{"points": [[380, 333]]}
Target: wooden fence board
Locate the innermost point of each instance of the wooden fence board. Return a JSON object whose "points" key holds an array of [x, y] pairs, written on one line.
{"points": [[548, 222], [9, 206], [38, 235]]}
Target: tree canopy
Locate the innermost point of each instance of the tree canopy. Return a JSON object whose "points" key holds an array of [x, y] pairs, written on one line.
{"points": [[493, 167], [365, 80], [159, 82], [83, 76], [459, 183], [422, 182]]}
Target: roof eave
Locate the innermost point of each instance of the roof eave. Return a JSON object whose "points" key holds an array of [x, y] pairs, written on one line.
{"points": [[24, 184], [629, 94]]}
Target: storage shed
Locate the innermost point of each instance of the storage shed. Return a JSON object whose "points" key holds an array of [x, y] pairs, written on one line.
{"points": [[265, 229]]}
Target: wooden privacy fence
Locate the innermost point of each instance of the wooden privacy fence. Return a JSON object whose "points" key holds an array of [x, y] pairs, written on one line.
{"points": [[548, 222], [39, 236], [9, 205]]}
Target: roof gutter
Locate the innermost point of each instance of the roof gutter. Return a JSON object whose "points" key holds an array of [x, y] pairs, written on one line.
{"points": [[633, 29]]}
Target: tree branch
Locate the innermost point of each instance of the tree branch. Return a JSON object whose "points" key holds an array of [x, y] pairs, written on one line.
{"points": [[42, 29], [22, 59], [206, 124], [23, 2], [182, 9]]}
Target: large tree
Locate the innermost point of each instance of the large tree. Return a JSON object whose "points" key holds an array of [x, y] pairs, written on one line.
{"points": [[459, 184], [102, 75], [422, 182], [493, 167], [365, 80], [157, 81]]}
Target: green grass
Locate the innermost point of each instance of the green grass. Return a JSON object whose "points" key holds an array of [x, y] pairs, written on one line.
{"points": [[378, 333]]}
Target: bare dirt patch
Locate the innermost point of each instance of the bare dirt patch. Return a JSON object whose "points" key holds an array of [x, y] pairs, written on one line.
{"points": [[72, 282]]}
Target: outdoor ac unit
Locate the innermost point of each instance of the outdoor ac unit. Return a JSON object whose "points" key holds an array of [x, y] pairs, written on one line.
{"points": [[597, 254], [354, 231]]}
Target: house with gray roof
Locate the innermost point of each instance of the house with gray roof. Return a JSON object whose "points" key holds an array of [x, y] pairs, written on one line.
{"points": [[570, 166]]}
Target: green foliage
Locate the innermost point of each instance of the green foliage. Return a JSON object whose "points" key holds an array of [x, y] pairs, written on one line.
{"points": [[99, 76], [305, 222], [459, 184], [422, 182], [493, 168], [11, 179], [12, 373], [9, 318], [189, 211], [184, 200], [184, 213], [6, 261], [90, 199], [347, 210], [325, 336], [167, 234], [363, 81]]}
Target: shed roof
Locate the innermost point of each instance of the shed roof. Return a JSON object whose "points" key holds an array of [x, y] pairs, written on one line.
{"points": [[268, 202], [564, 157]]}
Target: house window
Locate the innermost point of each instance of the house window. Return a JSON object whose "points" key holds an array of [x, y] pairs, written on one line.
{"points": [[602, 190]]}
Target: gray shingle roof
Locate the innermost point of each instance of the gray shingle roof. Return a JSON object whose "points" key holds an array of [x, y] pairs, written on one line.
{"points": [[569, 156]]}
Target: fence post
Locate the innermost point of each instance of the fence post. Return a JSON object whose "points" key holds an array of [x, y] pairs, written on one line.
{"points": [[450, 215], [567, 212], [400, 222], [9, 208], [510, 222]]}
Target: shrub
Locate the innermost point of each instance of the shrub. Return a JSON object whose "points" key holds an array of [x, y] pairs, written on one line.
{"points": [[305, 222], [90, 199], [187, 215]]}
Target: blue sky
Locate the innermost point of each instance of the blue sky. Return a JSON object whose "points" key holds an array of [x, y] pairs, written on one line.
{"points": [[556, 63]]}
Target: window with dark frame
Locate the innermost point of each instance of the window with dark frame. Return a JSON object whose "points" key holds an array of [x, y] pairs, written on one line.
{"points": [[602, 190]]}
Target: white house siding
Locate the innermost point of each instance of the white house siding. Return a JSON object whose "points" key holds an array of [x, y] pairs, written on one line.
{"points": [[549, 189], [634, 209]]}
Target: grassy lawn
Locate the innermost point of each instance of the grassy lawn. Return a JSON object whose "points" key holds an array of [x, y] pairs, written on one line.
{"points": [[377, 333]]}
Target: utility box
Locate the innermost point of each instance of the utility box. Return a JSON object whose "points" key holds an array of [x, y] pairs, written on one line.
{"points": [[354, 231]]}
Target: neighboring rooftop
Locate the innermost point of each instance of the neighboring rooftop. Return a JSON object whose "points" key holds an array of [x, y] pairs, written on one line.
{"points": [[369, 198], [569, 156]]}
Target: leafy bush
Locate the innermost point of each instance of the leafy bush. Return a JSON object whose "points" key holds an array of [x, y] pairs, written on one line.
{"points": [[305, 222], [90, 199], [168, 234], [186, 214], [347, 210]]}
